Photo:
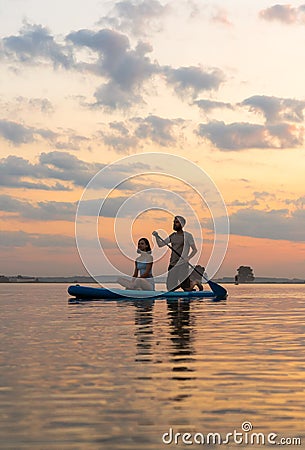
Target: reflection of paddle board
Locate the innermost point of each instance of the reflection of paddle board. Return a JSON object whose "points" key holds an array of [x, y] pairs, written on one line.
{"points": [[93, 293]]}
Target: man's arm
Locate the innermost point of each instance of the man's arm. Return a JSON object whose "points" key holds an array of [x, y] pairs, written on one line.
{"points": [[160, 242], [193, 247]]}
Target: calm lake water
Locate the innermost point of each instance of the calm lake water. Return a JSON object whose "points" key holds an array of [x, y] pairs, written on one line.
{"points": [[119, 375]]}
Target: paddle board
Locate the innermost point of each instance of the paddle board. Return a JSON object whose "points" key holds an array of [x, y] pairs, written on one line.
{"points": [[95, 293]]}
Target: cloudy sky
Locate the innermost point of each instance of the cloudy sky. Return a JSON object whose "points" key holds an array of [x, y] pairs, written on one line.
{"points": [[84, 84]]}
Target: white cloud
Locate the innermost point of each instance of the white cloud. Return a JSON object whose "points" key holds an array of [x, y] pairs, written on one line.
{"points": [[35, 45], [66, 169], [274, 224], [193, 80], [42, 211], [132, 134], [284, 13], [13, 239], [17, 134], [42, 105], [276, 109], [124, 68], [138, 18], [159, 130], [210, 105], [239, 136]]}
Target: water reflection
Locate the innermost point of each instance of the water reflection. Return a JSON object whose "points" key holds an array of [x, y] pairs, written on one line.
{"points": [[144, 329], [181, 323], [179, 315], [180, 330]]}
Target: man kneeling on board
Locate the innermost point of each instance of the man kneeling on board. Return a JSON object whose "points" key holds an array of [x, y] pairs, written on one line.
{"points": [[180, 243]]}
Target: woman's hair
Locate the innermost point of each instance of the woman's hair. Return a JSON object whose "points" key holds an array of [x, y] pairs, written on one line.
{"points": [[147, 244]]}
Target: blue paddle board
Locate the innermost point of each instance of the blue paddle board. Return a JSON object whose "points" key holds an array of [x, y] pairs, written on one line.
{"points": [[95, 293]]}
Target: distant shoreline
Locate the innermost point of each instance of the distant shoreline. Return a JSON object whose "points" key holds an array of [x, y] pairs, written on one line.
{"points": [[158, 282], [20, 279]]}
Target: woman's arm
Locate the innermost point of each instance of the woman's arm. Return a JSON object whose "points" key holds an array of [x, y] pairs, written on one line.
{"points": [[136, 270]]}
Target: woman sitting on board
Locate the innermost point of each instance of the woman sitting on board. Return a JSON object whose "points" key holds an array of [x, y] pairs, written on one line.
{"points": [[142, 278]]}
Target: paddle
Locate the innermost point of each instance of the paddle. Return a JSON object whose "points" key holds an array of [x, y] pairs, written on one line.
{"points": [[216, 288]]}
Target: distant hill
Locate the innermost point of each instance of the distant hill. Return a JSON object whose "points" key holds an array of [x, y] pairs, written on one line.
{"points": [[68, 280], [32, 279], [261, 280]]}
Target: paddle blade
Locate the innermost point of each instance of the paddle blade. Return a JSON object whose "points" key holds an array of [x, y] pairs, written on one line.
{"points": [[218, 290]]}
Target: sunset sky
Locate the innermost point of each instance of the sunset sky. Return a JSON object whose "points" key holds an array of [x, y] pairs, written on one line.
{"points": [[84, 84]]}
